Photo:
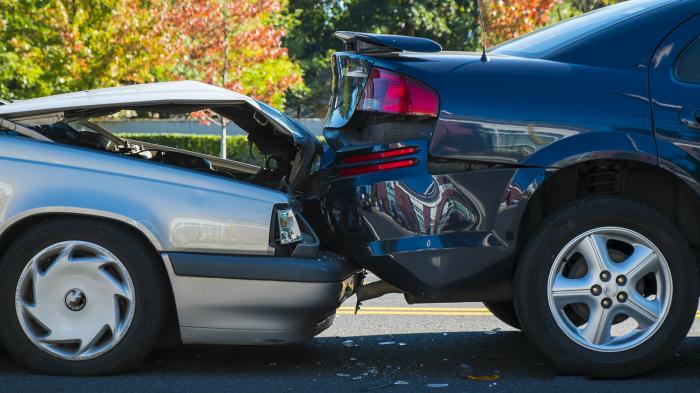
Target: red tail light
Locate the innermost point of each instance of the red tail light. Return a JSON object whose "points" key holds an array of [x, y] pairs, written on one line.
{"points": [[359, 170], [391, 92], [379, 155]]}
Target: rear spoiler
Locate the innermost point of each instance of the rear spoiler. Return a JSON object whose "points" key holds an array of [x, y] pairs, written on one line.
{"points": [[385, 43]]}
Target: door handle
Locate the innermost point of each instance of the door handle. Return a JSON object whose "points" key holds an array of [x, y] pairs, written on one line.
{"points": [[690, 117]]}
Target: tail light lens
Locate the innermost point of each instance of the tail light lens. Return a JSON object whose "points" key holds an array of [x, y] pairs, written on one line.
{"points": [[360, 170], [391, 92], [370, 165], [379, 155]]}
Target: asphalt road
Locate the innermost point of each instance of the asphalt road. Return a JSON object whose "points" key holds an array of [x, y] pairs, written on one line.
{"points": [[395, 348]]}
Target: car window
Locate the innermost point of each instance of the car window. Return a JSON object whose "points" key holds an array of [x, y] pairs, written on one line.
{"points": [[688, 65], [545, 41]]}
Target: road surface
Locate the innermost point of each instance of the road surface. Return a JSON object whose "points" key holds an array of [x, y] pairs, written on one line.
{"points": [[394, 348]]}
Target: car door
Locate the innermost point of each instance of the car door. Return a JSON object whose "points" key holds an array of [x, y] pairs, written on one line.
{"points": [[674, 78]]}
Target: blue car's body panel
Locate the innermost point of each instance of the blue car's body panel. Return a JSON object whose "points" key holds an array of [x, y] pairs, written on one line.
{"points": [[679, 145], [446, 235]]}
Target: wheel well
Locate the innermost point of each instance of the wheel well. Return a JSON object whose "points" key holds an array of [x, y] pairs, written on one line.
{"points": [[644, 183], [172, 333]]}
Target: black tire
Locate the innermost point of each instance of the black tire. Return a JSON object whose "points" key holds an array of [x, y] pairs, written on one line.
{"points": [[149, 285], [505, 312], [539, 255]]}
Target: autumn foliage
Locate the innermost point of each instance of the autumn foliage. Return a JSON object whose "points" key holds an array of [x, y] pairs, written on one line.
{"points": [[508, 19], [57, 46], [233, 43]]}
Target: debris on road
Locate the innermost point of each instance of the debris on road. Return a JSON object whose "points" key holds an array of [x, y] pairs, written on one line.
{"points": [[487, 377], [349, 344], [468, 372], [465, 371], [377, 387], [437, 385], [493, 331], [387, 343]]}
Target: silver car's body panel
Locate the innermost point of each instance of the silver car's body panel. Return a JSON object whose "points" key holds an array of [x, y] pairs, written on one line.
{"points": [[133, 95], [238, 311], [180, 211], [177, 209]]}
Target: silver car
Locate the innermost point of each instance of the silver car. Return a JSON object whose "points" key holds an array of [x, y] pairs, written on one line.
{"points": [[111, 246]]}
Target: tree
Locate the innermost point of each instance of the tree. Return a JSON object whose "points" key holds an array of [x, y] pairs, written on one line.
{"points": [[508, 19], [452, 23], [236, 44], [57, 46]]}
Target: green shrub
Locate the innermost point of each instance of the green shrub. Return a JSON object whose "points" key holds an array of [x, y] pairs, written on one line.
{"points": [[237, 146]]}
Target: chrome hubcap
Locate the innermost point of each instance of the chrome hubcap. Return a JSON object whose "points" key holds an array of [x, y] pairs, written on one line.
{"points": [[609, 289], [75, 300]]}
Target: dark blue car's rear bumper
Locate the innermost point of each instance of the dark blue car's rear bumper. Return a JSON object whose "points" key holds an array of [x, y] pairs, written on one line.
{"points": [[438, 237]]}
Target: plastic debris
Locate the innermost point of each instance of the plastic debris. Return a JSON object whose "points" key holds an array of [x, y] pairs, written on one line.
{"points": [[402, 344], [400, 382], [487, 377], [387, 343], [377, 387], [465, 371], [493, 384], [437, 385], [493, 331], [349, 344]]}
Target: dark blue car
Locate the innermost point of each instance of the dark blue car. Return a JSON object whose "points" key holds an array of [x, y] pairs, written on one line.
{"points": [[555, 178]]}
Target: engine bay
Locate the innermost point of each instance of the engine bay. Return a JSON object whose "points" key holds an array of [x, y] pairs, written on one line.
{"points": [[282, 156]]}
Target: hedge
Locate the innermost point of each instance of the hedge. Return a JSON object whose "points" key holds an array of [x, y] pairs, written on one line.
{"points": [[237, 146]]}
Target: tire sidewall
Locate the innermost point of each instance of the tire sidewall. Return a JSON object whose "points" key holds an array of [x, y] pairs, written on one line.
{"points": [[533, 275], [148, 293]]}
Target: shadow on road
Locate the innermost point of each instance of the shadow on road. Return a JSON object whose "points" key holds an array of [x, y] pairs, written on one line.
{"points": [[329, 363]]}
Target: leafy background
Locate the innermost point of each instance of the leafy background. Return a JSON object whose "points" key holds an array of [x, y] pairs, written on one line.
{"points": [[274, 50], [277, 51]]}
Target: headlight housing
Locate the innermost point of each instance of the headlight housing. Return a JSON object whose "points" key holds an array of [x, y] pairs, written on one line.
{"points": [[288, 226]]}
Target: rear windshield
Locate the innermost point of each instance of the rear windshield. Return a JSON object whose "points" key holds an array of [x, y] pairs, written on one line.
{"points": [[545, 41]]}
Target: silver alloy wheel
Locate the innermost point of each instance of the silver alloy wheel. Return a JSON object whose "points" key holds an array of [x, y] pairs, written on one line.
{"points": [[609, 289], [75, 300]]}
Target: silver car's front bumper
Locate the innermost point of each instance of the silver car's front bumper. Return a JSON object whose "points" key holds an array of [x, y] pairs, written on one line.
{"points": [[257, 300]]}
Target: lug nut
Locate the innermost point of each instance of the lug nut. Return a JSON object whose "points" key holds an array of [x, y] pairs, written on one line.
{"points": [[621, 297], [605, 275], [606, 302], [596, 290], [621, 280]]}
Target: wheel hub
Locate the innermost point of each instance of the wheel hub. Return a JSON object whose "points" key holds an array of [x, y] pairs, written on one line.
{"points": [[75, 299], [51, 300], [619, 314]]}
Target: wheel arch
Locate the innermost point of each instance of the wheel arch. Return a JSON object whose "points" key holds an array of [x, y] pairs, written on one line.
{"points": [[14, 228], [660, 188]]}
